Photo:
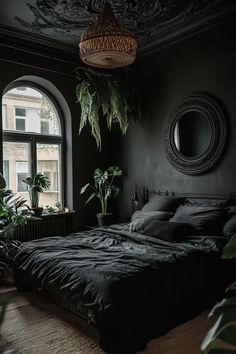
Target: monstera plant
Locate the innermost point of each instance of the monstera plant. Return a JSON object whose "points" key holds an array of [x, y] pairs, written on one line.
{"points": [[103, 189], [35, 185], [112, 95], [221, 339]]}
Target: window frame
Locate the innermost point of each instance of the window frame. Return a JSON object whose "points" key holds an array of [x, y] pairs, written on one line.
{"points": [[33, 138]]}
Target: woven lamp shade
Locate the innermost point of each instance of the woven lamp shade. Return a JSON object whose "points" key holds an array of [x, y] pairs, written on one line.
{"points": [[106, 44]]}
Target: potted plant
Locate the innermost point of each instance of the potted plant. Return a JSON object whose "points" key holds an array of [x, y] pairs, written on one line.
{"points": [[36, 185], [103, 189], [221, 339], [11, 215], [110, 95]]}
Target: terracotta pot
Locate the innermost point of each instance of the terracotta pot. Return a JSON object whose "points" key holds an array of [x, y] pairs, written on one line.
{"points": [[37, 211], [105, 219]]}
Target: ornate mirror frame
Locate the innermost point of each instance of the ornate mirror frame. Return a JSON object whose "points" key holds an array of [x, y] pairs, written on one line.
{"points": [[211, 110]]}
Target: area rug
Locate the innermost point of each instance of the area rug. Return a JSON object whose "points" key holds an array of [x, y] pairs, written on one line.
{"points": [[34, 325]]}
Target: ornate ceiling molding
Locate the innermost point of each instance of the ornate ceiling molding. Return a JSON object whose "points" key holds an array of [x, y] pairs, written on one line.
{"points": [[155, 22]]}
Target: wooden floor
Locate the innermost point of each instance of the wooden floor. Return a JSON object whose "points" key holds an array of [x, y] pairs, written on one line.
{"points": [[184, 339]]}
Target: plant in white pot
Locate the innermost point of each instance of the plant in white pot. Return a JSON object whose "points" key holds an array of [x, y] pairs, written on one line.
{"points": [[104, 189], [36, 185]]}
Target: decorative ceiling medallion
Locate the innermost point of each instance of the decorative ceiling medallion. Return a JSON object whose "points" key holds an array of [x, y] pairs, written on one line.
{"points": [[153, 22], [106, 44]]}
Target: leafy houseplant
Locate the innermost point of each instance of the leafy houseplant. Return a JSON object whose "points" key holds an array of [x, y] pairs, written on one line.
{"points": [[103, 189], [10, 217], [221, 339], [36, 185], [109, 94]]}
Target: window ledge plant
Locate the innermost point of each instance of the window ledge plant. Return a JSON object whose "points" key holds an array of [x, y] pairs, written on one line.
{"points": [[36, 185]]}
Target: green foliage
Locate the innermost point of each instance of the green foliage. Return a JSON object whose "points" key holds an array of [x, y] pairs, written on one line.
{"points": [[9, 251], [230, 249], [59, 206], [46, 111], [11, 215], [103, 187], [221, 339], [35, 185], [112, 95]]}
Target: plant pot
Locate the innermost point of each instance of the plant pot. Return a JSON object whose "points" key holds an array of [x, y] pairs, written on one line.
{"points": [[105, 219], [37, 211]]}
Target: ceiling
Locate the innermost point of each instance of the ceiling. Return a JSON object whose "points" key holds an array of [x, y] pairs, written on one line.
{"points": [[154, 22]]}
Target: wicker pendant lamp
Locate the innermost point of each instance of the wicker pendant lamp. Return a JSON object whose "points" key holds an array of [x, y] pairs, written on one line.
{"points": [[106, 44]]}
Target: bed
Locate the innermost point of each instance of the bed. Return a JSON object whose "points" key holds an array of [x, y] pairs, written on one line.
{"points": [[132, 287], [135, 281]]}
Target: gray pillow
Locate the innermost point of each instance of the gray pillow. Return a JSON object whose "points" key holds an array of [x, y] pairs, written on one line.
{"points": [[163, 230], [162, 203], [222, 203], [208, 202], [230, 226], [158, 215], [207, 220]]}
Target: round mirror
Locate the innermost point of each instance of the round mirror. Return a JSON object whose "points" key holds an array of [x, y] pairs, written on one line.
{"points": [[195, 134], [192, 134]]}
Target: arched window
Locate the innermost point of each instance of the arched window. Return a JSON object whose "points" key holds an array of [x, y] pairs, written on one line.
{"points": [[32, 140]]}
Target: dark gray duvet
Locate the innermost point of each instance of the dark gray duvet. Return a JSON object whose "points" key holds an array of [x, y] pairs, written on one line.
{"points": [[130, 286]]}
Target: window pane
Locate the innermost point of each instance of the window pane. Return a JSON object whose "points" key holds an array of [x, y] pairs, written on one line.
{"points": [[22, 172], [20, 124], [16, 166], [48, 163], [30, 110], [20, 112]]}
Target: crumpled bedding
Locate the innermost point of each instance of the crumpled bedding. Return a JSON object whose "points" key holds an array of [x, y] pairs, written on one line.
{"points": [[132, 287]]}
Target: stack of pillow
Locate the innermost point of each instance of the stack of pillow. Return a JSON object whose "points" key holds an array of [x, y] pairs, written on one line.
{"points": [[174, 218]]}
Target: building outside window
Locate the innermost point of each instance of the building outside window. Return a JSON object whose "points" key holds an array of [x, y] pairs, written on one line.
{"points": [[32, 141], [20, 115], [22, 172]]}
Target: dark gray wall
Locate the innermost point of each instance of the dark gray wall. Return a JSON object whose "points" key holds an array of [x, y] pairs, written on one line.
{"points": [[57, 75], [205, 63]]}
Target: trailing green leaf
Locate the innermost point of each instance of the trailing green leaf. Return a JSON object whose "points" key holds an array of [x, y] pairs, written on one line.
{"points": [[111, 95], [230, 249]]}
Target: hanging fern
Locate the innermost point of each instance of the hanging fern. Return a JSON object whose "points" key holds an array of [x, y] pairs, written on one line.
{"points": [[111, 95]]}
